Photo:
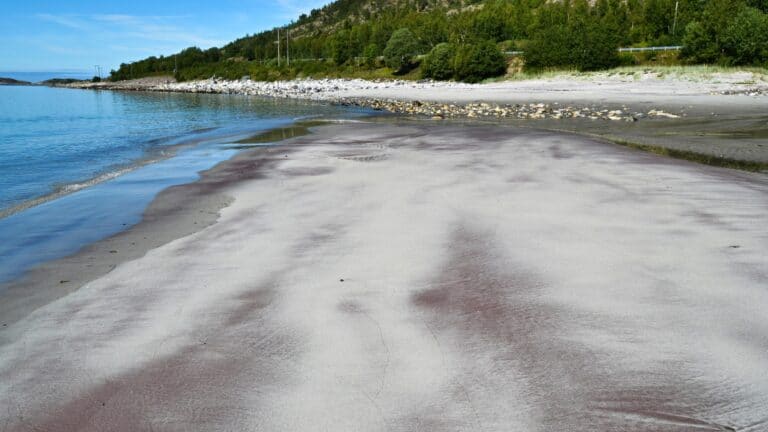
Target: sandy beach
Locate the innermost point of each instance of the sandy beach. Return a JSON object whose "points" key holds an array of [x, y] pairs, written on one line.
{"points": [[716, 114], [407, 275]]}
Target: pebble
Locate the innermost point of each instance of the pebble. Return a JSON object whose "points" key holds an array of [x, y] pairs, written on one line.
{"points": [[659, 113], [534, 111], [752, 91], [327, 90]]}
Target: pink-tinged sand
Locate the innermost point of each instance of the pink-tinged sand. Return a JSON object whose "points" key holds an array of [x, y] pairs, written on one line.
{"points": [[417, 277]]}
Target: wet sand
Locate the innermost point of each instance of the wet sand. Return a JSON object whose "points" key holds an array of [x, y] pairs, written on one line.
{"points": [[738, 136], [732, 126], [718, 115], [414, 276]]}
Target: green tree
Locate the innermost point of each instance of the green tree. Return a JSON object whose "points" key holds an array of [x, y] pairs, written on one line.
{"points": [[340, 49], [699, 44], [474, 63], [705, 38], [596, 46], [490, 23], [657, 18], [401, 51], [550, 47], [371, 53], [761, 5], [746, 39], [439, 63]]}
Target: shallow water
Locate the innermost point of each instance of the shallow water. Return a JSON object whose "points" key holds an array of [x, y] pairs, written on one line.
{"points": [[61, 227], [52, 138], [77, 166]]}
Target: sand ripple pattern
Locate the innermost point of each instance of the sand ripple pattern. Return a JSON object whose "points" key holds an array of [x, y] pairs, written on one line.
{"points": [[423, 277]]}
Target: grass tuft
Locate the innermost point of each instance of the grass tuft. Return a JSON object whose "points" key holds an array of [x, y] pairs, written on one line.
{"points": [[685, 72], [718, 161]]}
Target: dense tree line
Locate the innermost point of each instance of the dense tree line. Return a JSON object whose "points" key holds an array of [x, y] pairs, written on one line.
{"points": [[463, 39], [729, 32]]}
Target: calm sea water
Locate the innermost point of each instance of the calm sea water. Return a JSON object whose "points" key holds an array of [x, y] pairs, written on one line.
{"points": [[77, 166]]}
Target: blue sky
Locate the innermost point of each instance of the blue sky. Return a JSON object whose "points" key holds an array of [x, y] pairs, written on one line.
{"points": [[76, 35]]}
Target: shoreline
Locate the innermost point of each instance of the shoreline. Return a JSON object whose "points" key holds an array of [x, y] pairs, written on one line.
{"points": [[112, 173], [535, 117], [488, 255], [719, 118], [186, 141], [181, 210], [479, 113], [175, 212]]}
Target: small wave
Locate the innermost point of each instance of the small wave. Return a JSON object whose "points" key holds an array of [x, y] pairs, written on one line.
{"points": [[158, 154], [70, 188], [74, 187]]}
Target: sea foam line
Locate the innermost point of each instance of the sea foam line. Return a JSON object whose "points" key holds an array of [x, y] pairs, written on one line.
{"points": [[71, 188]]}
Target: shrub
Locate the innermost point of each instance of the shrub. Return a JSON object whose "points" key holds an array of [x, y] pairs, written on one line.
{"points": [[699, 44], [401, 51], [746, 39], [474, 63], [628, 59], [597, 48], [551, 47], [439, 63], [761, 5], [489, 24], [729, 32], [339, 46], [371, 53], [584, 42]]}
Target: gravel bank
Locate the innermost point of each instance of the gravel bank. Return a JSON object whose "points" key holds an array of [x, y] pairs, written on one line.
{"points": [[542, 98], [721, 115]]}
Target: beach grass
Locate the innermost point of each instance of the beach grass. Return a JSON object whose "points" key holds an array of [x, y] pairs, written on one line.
{"points": [[706, 159], [635, 72], [684, 72]]}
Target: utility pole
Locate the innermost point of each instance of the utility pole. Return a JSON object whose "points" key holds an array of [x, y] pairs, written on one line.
{"points": [[288, 46], [278, 47], [674, 23]]}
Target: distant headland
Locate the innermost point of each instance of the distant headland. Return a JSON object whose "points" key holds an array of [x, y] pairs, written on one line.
{"points": [[11, 81]]}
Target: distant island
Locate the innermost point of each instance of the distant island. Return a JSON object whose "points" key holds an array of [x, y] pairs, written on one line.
{"points": [[53, 82], [11, 81]]}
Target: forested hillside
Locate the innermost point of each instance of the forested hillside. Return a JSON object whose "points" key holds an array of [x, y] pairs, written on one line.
{"points": [[464, 39]]}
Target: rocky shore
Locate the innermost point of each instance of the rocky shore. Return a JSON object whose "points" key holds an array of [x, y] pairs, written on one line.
{"points": [[533, 111], [605, 97], [331, 90], [326, 91], [653, 110]]}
